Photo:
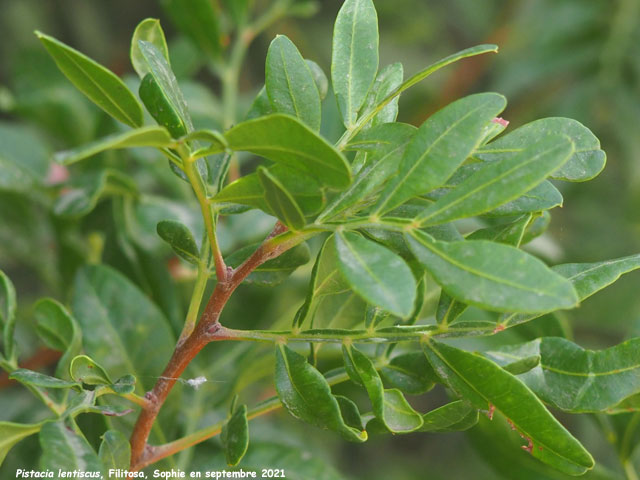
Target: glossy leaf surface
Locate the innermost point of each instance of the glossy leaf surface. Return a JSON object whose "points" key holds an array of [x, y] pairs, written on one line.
{"points": [[101, 85], [586, 162], [306, 394], [290, 84], [492, 275], [180, 239], [377, 274], [575, 379], [148, 30], [235, 436], [354, 59], [501, 181], [439, 147], [284, 139], [141, 137], [484, 384], [280, 201]]}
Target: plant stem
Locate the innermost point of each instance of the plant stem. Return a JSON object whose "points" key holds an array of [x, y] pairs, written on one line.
{"points": [[207, 330], [199, 189], [269, 405]]}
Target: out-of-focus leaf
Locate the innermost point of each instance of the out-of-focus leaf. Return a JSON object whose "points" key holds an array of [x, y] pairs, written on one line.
{"points": [[11, 433], [284, 139], [64, 448], [24, 161], [378, 275], [439, 147], [99, 84], [124, 331], [115, 450], [306, 394], [354, 59], [198, 20], [483, 383], [180, 239], [235, 436], [153, 136], [482, 273], [8, 308], [150, 31], [59, 330], [289, 83], [86, 190], [586, 162]]}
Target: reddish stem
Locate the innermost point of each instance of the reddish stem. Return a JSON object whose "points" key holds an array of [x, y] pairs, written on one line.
{"points": [[207, 330]]}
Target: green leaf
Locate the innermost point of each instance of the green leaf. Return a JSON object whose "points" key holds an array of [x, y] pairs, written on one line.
{"points": [[590, 278], [387, 81], [260, 106], [501, 181], [8, 308], [448, 309], [248, 190], [198, 20], [410, 373], [115, 450], [586, 162], [24, 158], [375, 273], [289, 83], [439, 147], [85, 191], [148, 30], [483, 383], [280, 201], [140, 137], [59, 330], [509, 233], [452, 417], [235, 436], [574, 379], [586, 278], [11, 433], [29, 377], [388, 145], [424, 73], [124, 331], [84, 370], [160, 93], [284, 139], [326, 280], [354, 61], [305, 393], [274, 271], [523, 365], [319, 77], [64, 448], [482, 273], [389, 406], [180, 239], [543, 197], [99, 84]]}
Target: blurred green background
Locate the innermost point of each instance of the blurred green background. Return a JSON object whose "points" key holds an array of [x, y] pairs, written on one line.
{"points": [[572, 58]]}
